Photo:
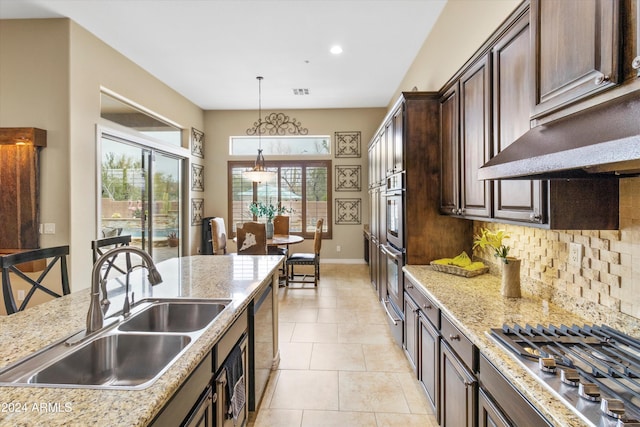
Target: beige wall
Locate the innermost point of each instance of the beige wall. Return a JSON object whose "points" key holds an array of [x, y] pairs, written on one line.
{"points": [[461, 28], [51, 74], [220, 125]]}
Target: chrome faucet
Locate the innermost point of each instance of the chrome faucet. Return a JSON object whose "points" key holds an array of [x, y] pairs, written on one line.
{"points": [[95, 316]]}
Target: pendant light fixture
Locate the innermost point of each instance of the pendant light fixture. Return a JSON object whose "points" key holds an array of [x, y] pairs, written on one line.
{"points": [[259, 173]]}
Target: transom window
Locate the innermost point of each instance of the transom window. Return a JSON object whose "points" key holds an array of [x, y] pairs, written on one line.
{"points": [[304, 186], [299, 145]]}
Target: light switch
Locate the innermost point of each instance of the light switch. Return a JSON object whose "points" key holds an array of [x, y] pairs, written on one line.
{"points": [[49, 228]]}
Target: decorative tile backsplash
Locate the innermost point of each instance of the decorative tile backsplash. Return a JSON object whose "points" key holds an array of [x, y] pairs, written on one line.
{"points": [[606, 287]]}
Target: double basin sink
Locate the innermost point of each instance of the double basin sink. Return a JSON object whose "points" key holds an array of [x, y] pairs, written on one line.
{"points": [[131, 353]]}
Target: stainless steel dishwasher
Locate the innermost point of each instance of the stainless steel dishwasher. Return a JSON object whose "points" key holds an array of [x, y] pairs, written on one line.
{"points": [[261, 345]]}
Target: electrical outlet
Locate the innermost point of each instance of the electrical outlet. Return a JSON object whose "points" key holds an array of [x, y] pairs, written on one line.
{"points": [[575, 254], [338, 248], [49, 228], [198, 251], [20, 295]]}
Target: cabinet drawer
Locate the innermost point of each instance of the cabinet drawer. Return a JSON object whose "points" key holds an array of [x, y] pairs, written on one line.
{"points": [[460, 343], [428, 307]]}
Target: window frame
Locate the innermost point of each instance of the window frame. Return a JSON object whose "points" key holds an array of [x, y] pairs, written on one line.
{"points": [[246, 164]]}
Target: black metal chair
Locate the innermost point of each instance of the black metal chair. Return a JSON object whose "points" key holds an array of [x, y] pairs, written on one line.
{"points": [[100, 246], [302, 258], [10, 267]]}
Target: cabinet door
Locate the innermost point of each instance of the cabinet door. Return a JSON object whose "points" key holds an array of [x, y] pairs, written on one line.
{"points": [[428, 372], [398, 140], [457, 391], [488, 414], [475, 127], [449, 152], [410, 344], [519, 200], [576, 47], [389, 148]]}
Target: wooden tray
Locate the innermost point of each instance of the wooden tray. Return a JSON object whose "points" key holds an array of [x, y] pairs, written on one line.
{"points": [[458, 271]]}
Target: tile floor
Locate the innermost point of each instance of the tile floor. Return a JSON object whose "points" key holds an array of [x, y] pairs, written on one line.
{"points": [[339, 365]]}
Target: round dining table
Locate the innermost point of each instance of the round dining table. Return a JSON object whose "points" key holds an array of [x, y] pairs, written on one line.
{"points": [[284, 240]]}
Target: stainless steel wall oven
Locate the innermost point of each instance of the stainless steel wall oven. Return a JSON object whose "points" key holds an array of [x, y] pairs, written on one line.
{"points": [[395, 210]]}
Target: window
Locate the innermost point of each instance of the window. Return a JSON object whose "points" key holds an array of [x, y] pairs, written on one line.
{"points": [[299, 145], [304, 186]]}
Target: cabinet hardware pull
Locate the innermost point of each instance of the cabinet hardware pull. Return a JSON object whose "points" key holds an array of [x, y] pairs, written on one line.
{"points": [[454, 337], [453, 211], [535, 217], [427, 306], [468, 384], [460, 211], [600, 79], [409, 286], [214, 399], [636, 63]]}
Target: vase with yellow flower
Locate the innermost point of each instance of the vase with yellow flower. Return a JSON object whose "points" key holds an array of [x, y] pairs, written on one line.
{"points": [[510, 265]]}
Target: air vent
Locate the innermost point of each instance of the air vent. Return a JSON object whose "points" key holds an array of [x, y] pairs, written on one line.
{"points": [[301, 91]]}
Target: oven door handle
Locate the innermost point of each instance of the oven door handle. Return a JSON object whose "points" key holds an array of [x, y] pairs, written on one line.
{"points": [[396, 255], [385, 302]]}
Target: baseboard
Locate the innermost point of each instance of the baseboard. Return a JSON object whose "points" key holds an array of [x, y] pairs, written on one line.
{"points": [[342, 261]]}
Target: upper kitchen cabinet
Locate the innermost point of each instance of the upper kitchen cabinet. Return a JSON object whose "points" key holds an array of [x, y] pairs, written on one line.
{"points": [[518, 200], [576, 45], [465, 143]]}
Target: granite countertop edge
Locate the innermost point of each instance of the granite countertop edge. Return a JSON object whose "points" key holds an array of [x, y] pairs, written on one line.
{"points": [[475, 306]]}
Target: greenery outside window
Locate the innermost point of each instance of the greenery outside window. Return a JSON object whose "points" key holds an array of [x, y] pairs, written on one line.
{"points": [[304, 186]]}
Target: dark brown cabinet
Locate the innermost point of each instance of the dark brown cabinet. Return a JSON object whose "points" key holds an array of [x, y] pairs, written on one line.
{"points": [[576, 44], [449, 152], [458, 390], [488, 414], [517, 200], [411, 341], [475, 140], [429, 361]]}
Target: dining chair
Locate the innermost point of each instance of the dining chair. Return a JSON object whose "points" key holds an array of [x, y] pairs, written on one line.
{"points": [[303, 258], [280, 226], [252, 239], [100, 246], [218, 235], [11, 271]]}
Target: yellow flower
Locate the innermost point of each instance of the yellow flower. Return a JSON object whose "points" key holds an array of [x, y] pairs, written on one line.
{"points": [[493, 240]]}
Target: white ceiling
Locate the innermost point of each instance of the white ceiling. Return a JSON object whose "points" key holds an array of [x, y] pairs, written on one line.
{"points": [[211, 51]]}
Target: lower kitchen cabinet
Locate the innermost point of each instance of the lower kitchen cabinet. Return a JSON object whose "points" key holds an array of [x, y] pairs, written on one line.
{"points": [[488, 414], [458, 391], [429, 361], [410, 345]]}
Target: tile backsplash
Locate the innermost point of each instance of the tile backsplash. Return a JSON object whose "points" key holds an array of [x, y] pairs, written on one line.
{"points": [[606, 287]]}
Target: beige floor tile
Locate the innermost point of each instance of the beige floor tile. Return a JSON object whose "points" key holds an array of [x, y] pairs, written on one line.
{"points": [[285, 330], [344, 357], [405, 420], [364, 334], [335, 315], [413, 393], [320, 302], [306, 390], [295, 355], [298, 314], [387, 357], [315, 332], [371, 391], [371, 315], [278, 417], [338, 419]]}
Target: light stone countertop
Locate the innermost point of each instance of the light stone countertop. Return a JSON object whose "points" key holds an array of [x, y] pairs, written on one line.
{"points": [[475, 305], [226, 277]]}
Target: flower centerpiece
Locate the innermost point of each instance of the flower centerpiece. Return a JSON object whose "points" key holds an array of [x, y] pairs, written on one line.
{"points": [[269, 211], [172, 239], [493, 240], [510, 265]]}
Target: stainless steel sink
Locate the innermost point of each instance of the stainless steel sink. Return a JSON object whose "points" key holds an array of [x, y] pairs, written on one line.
{"points": [[174, 316], [129, 353], [118, 360]]}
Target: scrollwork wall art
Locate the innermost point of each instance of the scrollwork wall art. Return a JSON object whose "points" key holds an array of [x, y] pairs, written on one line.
{"points": [[348, 177], [197, 210], [197, 177], [277, 124], [348, 211], [197, 143], [347, 144]]}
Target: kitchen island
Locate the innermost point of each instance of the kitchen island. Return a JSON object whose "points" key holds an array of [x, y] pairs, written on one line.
{"points": [[237, 278], [475, 305]]}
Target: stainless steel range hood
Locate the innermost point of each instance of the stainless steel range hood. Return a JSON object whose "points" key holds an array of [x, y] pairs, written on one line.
{"points": [[602, 141]]}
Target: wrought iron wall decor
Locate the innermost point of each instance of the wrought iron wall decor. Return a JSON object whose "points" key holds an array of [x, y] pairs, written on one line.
{"points": [[197, 210], [197, 177], [277, 124], [348, 177], [197, 143], [348, 211], [347, 144]]}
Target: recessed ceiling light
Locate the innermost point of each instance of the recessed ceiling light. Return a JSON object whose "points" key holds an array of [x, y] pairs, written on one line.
{"points": [[336, 50]]}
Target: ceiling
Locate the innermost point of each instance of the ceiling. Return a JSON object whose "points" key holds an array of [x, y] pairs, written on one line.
{"points": [[211, 51]]}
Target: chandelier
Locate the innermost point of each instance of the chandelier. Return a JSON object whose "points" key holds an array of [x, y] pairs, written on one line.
{"points": [[259, 172]]}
